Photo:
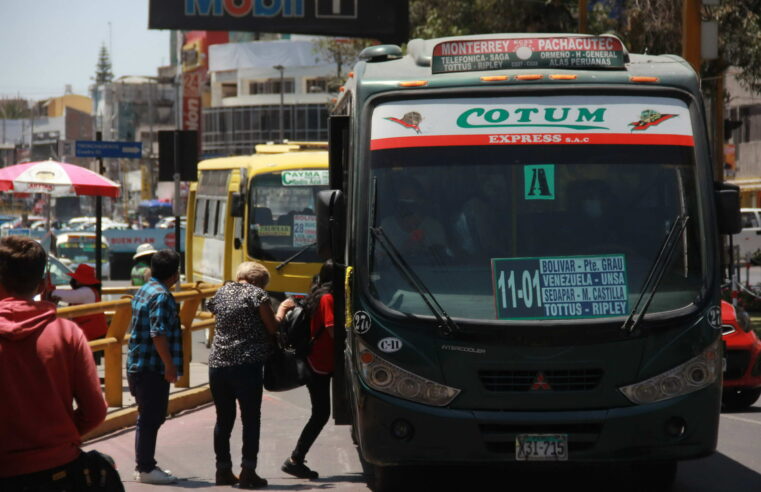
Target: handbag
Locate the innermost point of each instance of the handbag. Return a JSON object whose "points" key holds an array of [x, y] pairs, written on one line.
{"points": [[284, 371]]}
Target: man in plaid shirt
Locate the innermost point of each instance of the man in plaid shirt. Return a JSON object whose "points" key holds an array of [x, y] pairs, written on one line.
{"points": [[154, 360]]}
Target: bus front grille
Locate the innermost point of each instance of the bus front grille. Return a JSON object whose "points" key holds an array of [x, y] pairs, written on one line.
{"points": [[737, 363], [550, 380], [500, 438]]}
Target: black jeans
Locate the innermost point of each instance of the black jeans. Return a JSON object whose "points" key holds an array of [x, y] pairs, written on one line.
{"points": [[319, 394], [151, 392], [244, 384], [89, 471]]}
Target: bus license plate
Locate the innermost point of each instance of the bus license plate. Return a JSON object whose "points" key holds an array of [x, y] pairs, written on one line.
{"points": [[541, 447]]}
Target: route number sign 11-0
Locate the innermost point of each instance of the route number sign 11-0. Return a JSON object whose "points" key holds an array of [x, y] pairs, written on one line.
{"points": [[561, 287]]}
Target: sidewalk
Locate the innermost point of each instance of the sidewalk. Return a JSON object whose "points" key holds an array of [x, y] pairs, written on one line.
{"points": [[180, 398]]}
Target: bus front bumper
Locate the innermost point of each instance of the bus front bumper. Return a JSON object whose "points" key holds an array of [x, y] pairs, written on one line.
{"points": [[391, 431]]}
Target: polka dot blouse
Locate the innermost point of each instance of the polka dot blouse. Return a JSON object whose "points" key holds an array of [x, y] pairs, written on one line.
{"points": [[240, 336]]}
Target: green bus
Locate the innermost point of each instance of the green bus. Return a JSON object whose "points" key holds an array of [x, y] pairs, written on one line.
{"points": [[529, 229]]}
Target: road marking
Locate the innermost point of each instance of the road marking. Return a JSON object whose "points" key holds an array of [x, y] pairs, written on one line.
{"points": [[749, 421]]}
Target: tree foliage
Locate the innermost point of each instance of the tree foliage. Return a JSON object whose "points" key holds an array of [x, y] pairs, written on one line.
{"points": [[344, 52], [103, 73], [652, 26], [14, 109]]}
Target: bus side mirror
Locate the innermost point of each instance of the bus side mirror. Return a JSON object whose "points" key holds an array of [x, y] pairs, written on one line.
{"points": [[728, 208], [330, 224], [236, 205]]}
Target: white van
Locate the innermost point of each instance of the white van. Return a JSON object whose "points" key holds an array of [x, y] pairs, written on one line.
{"points": [[749, 240]]}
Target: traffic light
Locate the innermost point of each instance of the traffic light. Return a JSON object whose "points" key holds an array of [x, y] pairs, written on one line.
{"points": [[729, 126]]}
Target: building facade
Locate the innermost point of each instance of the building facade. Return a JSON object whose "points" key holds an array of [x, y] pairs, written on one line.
{"points": [[265, 91]]}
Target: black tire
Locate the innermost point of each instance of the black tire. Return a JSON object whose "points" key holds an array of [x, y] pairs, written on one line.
{"points": [[653, 477], [391, 479], [734, 399]]}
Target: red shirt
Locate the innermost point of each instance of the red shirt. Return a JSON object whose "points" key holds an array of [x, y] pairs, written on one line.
{"points": [[45, 366], [321, 357]]}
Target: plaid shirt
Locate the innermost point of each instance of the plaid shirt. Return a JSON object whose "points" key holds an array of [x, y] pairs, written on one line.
{"points": [[154, 313]]}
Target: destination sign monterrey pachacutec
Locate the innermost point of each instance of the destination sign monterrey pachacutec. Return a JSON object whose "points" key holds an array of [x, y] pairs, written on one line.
{"points": [[386, 20], [518, 53]]}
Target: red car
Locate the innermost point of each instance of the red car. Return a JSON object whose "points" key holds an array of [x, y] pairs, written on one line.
{"points": [[742, 377]]}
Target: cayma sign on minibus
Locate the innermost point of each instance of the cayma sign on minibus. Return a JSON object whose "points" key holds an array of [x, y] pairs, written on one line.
{"points": [[386, 21]]}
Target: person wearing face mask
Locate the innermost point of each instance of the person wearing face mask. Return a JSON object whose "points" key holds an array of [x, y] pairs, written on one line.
{"points": [[411, 231]]}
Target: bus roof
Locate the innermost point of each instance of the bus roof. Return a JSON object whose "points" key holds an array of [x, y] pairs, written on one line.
{"points": [[516, 60], [288, 157]]}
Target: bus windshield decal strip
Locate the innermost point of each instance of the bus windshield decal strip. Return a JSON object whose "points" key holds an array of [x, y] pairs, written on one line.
{"points": [[532, 139]]}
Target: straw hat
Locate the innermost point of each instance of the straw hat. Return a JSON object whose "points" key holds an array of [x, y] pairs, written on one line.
{"points": [[144, 250], [85, 275]]}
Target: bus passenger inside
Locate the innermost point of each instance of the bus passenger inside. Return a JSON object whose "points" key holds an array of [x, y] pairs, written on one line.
{"points": [[481, 226], [413, 232], [594, 216]]}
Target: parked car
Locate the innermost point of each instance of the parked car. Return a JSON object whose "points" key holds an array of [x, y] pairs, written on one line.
{"points": [[168, 223], [749, 240], [742, 376], [58, 272]]}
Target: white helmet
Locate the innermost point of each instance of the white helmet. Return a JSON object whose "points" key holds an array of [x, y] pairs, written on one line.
{"points": [[144, 250]]}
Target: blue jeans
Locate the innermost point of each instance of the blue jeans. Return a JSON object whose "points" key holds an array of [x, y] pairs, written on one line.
{"points": [[151, 392], [244, 384]]}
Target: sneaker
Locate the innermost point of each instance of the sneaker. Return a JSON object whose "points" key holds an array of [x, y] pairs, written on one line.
{"points": [[298, 469], [157, 476]]}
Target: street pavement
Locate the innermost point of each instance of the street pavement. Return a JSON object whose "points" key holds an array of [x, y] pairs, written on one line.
{"points": [[185, 446]]}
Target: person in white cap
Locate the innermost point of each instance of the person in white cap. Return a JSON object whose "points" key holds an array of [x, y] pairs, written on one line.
{"points": [[141, 272]]}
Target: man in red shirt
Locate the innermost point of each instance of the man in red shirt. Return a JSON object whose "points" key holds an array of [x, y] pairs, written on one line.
{"points": [[45, 365]]}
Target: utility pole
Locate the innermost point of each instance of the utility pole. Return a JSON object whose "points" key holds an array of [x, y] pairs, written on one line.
{"points": [[282, 89], [583, 16], [691, 33]]}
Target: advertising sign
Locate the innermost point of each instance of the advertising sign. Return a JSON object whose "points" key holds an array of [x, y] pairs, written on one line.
{"points": [[191, 100], [555, 52], [386, 21], [550, 120]]}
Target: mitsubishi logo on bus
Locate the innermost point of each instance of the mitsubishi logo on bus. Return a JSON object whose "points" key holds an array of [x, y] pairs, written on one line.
{"points": [[540, 383]]}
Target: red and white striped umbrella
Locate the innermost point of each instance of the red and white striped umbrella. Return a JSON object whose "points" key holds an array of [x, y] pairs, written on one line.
{"points": [[55, 179]]}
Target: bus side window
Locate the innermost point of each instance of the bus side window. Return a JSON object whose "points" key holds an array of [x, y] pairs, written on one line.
{"points": [[206, 217], [221, 219], [200, 216]]}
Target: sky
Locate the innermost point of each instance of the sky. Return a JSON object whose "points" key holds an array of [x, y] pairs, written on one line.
{"points": [[47, 44]]}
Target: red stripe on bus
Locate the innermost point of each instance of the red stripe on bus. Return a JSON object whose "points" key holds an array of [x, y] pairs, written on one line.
{"points": [[532, 139]]}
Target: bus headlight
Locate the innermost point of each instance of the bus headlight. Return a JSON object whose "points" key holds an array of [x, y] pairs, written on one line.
{"points": [[388, 378], [693, 375]]}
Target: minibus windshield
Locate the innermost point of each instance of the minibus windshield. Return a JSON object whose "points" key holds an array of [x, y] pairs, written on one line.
{"points": [[282, 217], [567, 230]]}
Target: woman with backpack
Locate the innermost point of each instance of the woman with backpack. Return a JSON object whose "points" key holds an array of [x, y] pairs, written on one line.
{"points": [[245, 325], [319, 303]]}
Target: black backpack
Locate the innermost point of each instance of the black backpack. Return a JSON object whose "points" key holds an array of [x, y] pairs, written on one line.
{"points": [[294, 332]]}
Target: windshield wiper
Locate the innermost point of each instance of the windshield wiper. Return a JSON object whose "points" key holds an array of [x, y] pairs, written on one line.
{"points": [[446, 324], [662, 262], [295, 255]]}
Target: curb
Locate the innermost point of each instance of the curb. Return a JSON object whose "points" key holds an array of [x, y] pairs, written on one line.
{"points": [[127, 417]]}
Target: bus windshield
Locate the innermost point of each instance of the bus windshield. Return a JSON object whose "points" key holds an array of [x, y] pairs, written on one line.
{"points": [[561, 225], [282, 218]]}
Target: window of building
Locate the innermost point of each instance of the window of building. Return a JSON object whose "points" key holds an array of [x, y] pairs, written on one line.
{"points": [[229, 90], [271, 86], [316, 85]]}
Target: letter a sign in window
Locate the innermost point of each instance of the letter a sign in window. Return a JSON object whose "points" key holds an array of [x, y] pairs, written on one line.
{"points": [[539, 182]]}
